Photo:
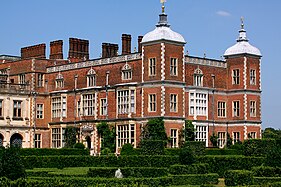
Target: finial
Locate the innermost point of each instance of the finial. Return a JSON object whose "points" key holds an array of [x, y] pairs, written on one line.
{"points": [[163, 5], [242, 22]]}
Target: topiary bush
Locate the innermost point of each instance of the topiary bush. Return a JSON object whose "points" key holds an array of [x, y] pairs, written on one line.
{"points": [[152, 147], [187, 156], [198, 148], [127, 149], [79, 146], [238, 177], [189, 169]]}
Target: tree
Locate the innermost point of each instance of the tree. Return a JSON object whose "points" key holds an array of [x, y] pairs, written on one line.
{"points": [[11, 165], [108, 135], [70, 136], [228, 140], [271, 133], [214, 140], [189, 131], [155, 130]]}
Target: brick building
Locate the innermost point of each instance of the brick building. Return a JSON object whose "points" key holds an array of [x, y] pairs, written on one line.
{"points": [[41, 96]]}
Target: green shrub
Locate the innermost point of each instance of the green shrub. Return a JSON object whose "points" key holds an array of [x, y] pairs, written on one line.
{"points": [[221, 163], [172, 151], [152, 147], [127, 149], [273, 157], [197, 147], [216, 151], [79, 146], [187, 156], [266, 171], [189, 169], [4, 182], [266, 180], [258, 147], [47, 151], [195, 179], [238, 177]]}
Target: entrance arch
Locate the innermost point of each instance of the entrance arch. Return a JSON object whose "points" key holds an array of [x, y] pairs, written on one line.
{"points": [[16, 140], [88, 140]]}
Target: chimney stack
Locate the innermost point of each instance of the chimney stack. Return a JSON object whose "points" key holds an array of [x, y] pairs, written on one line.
{"points": [[56, 49], [126, 44], [109, 50], [139, 44], [35, 51], [78, 49]]}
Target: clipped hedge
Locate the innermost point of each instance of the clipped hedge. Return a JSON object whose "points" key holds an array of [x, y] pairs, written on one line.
{"points": [[195, 179], [152, 147], [189, 169], [138, 172], [99, 161], [238, 177], [267, 180], [216, 151], [258, 147], [220, 164], [266, 171], [172, 151], [48, 152], [196, 146]]}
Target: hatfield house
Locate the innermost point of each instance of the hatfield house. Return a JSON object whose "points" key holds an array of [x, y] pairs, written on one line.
{"points": [[40, 96]]}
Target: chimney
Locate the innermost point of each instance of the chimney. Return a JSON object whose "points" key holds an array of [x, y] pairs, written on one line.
{"points": [[126, 44], [139, 44], [56, 49], [78, 49], [35, 51], [109, 50]]}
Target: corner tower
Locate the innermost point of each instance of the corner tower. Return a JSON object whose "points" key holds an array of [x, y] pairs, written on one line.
{"points": [[163, 76]]}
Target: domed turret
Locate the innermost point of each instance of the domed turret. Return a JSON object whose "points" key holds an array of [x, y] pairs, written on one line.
{"points": [[163, 31], [242, 46]]}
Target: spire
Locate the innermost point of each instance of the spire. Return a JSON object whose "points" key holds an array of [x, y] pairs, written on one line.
{"points": [[242, 32], [163, 18]]}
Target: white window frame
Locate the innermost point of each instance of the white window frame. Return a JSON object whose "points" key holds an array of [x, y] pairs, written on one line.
{"points": [[221, 139], [236, 76], [198, 103], [174, 138], [17, 108], [59, 83], [201, 133], [89, 104], [39, 111], [173, 102], [91, 80], [252, 77], [56, 137], [103, 107], [253, 108], [236, 137], [152, 102], [40, 79], [59, 106], [126, 101], [152, 66], [236, 108], [37, 141], [253, 135], [126, 134], [174, 67], [221, 109], [22, 79]]}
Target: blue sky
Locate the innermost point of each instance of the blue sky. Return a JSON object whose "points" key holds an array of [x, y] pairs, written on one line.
{"points": [[208, 26]]}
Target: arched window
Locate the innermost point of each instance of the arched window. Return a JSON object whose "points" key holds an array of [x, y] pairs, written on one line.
{"points": [[91, 78], [126, 72], [59, 81], [16, 140], [198, 77]]}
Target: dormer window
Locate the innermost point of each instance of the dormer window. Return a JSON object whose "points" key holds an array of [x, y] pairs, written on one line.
{"points": [[126, 72], [91, 78], [198, 77], [59, 81]]}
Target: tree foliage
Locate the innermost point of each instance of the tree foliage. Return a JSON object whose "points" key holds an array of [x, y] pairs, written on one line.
{"points": [[154, 130], [271, 133], [108, 135], [70, 136], [214, 140]]}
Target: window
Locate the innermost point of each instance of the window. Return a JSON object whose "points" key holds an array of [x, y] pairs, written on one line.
{"points": [[198, 77], [59, 81], [174, 138], [103, 107], [126, 101], [91, 78], [152, 103], [221, 109], [235, 76], [152, 66], [125, 134], [59, 106], [56, 137], [252, 135], [253, 108], [17, 109], [198, 104], [252, 77], [201, 133], [173, 102], [40, 78], [22, 79], [236, 108], [221, 139], [126, 72], [39, 111], [78, 108], [174, 67], [89, 104], [1, 108], [37, 141], [236, 137]]}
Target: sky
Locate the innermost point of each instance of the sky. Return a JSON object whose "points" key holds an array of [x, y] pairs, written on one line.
{"points": [[208, 26]]}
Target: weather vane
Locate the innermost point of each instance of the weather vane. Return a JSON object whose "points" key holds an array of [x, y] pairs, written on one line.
{"points": [[163, 5], [242, 22]]}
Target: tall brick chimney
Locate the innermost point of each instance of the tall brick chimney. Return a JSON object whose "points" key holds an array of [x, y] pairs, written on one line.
{"points": [[139, 43], [109, 50], [126, 44], [35, 51], [56, 49], [78, 49]]}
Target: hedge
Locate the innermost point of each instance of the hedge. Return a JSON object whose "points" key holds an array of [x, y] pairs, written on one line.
{"points": [[172, 151], [267, 180], [48, 152], [152, 147], [195, 179], [258, 147], [266, 171], [138, 172], [60, 162], [189, 169], [216, 151], [220, 164], [196, 146], [238, 177]]}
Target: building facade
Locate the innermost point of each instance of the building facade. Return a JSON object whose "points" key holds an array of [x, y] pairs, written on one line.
{"points": [[42, 96]]}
